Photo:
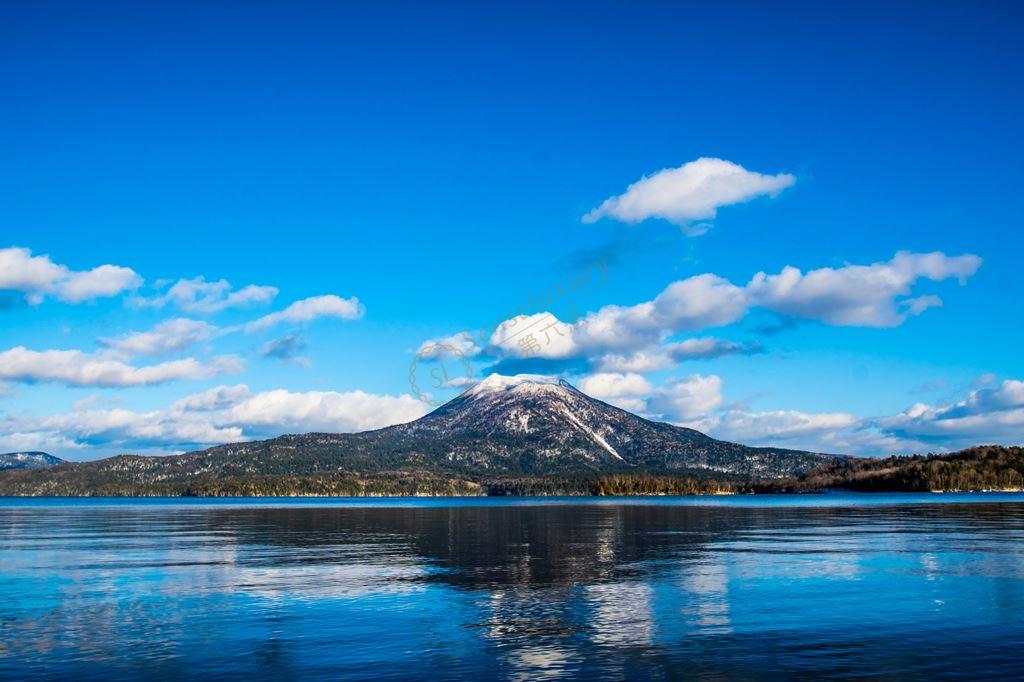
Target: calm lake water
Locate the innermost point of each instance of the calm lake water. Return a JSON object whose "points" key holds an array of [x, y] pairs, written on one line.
{"points": [[841, 586]]}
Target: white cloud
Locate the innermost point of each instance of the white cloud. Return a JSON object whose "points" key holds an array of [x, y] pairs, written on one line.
{"points": [[216, 398], [984, 380], [104, 281], [223, 414], [663, 357], [779, 425], [137, 430], [200, 297], [686, 399], [614, 385], [708, 347], [986, 415], [38, 277], [697, 402], [288, 348], [693, 192], [33, 275], [309, 309], [541, 335], [691, 304], [14, 439], [859, 295], [459, 345], [627, 391], [916, 306], [461, 382], [283, 411], [640, 361], [837, 433], [76, 368], [694, 303], [633, 338], [166, 338]]}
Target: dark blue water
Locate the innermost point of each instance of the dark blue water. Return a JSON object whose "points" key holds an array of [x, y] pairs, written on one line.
{"points": [[895, 586]]}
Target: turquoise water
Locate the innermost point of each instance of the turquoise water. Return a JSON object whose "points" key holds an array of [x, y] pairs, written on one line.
{"points": [[910, 586]]}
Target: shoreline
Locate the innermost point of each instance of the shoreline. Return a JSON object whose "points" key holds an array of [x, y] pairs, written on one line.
{"points": [[581, 496]]}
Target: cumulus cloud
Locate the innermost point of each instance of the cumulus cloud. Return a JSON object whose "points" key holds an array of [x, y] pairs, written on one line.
{"points": [[829, 432], [916, 306], [707, 347], [687, 398], [459, 345], [222, 414], [614, 384], [697, 402], [691, 304], [859, 295], [18, 436], [309, 309], [288, 348], [642, 361], [285, 411], [779, 425], [104, 281], [216, 398], [625, 390], [541, 335], [136, 430], [76, 368], [668, 355], [682, 400], [636, 338], [984, 380], [166, 338], [461, 382], [197, 296], [986, 415], [691, 193], [38, 277]]}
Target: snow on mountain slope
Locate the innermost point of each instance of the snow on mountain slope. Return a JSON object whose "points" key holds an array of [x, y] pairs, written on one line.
{"points": [[522, 426], [26, 460]]}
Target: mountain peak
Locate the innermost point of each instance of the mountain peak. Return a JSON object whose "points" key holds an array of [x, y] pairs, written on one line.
{"points": [[520, 382], [27, 460], [525, 425]]}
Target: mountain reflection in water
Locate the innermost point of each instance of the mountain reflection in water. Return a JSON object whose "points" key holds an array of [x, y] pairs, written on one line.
{"points": [[512, 591]]}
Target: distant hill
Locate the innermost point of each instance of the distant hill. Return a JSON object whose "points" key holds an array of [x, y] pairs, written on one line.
{"points": [[27, 460], [986, 467], [507, 434]]}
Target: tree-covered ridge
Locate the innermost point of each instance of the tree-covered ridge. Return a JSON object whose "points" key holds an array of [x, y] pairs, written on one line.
{"points": [[26, 460], [981, 468], [516, 430], [986, 467]]}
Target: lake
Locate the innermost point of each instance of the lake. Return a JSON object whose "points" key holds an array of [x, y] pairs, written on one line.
{"points": [[747, 587]]}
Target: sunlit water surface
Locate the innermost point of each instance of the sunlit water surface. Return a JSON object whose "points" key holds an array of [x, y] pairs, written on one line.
{"points": [[887, 586]]}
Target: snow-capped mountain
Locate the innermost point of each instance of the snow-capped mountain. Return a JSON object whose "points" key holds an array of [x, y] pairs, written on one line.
{"points": [[538, 425], [26, 460], [504, 427], [509, 426]]}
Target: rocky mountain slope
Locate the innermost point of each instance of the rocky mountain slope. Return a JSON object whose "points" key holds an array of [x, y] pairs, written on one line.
{"points": [[27, 460], [523, 426]]}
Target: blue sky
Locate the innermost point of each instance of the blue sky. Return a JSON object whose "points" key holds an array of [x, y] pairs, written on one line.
{"points": [[411, 172]]}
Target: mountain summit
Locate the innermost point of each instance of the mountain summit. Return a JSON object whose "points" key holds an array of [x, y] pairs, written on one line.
{"points": [[537, 425], [504, 427], [27, 460]]}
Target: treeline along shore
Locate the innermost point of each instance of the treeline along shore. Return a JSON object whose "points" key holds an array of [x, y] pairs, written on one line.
{"points": [[984, 468]]}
